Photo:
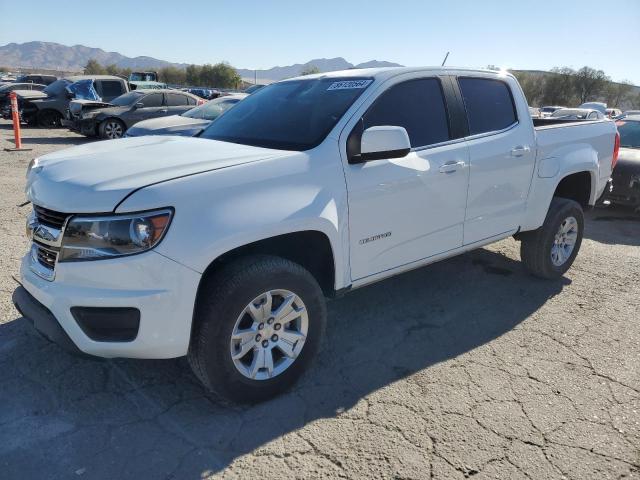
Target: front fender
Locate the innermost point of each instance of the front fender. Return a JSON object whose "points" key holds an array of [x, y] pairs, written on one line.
{"points": [[218, 211]]}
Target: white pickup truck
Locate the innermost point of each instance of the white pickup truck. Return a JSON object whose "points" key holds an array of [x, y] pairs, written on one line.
{"points": [[223, 247]]}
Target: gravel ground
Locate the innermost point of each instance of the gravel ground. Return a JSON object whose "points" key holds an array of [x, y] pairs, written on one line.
{"points": [[465, 368]]}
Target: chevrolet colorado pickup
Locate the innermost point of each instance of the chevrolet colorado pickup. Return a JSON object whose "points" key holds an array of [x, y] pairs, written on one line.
{"points": [[223, 247]]}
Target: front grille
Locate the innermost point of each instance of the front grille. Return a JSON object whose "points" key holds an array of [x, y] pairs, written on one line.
{"points": [[46, 258], [50, 217]]}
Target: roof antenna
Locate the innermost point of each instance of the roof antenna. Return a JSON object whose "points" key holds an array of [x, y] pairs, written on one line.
{"points": [[445, 59]]}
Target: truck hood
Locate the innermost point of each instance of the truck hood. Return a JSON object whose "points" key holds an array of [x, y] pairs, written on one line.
{"points": [[76, 106], [95, 177], [30, 94], [171, 125]]}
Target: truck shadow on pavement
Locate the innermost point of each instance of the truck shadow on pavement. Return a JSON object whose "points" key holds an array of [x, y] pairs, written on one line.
{"points": [[70, 416]]}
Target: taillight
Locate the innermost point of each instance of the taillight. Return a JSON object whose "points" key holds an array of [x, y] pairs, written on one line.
{"points": [[201, 101], [616, 151]]}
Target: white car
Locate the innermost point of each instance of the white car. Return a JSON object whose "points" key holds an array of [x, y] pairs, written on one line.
{"points": [[223, 247], [577, 114], [548, 110]]}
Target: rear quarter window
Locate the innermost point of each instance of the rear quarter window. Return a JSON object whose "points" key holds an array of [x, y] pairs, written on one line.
{"points": [[111, 88], [489, 104], [176, 100]]}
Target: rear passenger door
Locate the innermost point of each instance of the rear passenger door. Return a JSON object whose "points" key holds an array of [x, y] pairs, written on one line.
{"points": [[177, 103], [404, 210], [502, 155]]}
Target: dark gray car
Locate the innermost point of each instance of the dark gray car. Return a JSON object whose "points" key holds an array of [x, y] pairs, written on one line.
{"points": [[48, 108], [110, 121], [189, 123]]}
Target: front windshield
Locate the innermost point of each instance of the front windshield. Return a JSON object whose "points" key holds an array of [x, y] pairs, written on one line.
{"points": [[57, 87], [127, 99], [288, 115], [629, 133], [211, 110]]}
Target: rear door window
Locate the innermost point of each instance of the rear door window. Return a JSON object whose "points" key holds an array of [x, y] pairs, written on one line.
{"points": [[176, 100], [488, 103], [418, 106], [152, 100]]}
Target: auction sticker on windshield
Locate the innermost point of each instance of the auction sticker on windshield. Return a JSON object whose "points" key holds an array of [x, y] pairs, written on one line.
{"points": [[347, 84]]}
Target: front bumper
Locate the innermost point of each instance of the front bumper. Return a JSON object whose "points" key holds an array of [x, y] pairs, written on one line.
{"points": [[162, 290], [86, 126], [42, 319], [625, 186]]}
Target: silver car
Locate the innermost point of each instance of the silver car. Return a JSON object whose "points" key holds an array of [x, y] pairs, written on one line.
{"points": [[189, 123]]}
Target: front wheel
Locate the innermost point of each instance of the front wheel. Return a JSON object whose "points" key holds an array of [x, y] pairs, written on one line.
{"points": [[549, 251], [111, 129], [259, 322]]}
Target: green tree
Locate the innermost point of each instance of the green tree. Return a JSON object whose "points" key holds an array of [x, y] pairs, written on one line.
{"points": [[220, 75], [532, 86], [309, 69], [192, 74], [93, 68], [589, 83], [172, 75], [112, 69]]}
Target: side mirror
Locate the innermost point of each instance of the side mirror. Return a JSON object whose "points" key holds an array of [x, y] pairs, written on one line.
{"points": [[139, 105], [382, 142]]}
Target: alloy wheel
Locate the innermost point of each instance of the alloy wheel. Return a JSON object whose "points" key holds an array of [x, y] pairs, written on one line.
{"points": [[269, 334]]}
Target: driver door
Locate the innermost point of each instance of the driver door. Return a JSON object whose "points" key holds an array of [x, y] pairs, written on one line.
{"points": [[404, 210], [151, 107]]}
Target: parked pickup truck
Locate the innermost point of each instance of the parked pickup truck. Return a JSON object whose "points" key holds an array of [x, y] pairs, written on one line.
{"points": [[224, 246]]}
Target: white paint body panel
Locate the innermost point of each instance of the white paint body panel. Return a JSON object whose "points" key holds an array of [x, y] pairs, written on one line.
{"points": [[227, 195]]}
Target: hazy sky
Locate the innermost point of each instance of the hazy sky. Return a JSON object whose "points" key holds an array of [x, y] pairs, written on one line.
{"points": [[526, 34]]}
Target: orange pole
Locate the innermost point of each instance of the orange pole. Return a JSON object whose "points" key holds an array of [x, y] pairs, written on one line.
{"points": [[16, 119]]}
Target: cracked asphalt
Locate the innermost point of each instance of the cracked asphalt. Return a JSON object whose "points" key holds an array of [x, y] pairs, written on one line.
{"points": [[466, 368]]}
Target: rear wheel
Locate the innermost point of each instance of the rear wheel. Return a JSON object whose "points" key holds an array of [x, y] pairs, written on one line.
{"points": [[549, 251], [111, 129], [49, 119], [259, 322]]}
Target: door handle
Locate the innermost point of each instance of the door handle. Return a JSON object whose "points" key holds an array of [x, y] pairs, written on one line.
{"points": [[520, 150], [163, 110], [451, 167]]}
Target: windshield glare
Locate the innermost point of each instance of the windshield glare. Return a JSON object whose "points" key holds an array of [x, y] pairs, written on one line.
{"points": [[288, 115], [211, 110], [629, 133], [127, 99]]}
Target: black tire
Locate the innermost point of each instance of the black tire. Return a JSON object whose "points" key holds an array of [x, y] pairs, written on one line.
{"points": [[49, 119], [222, 298], [112, 129], [535, 247]]}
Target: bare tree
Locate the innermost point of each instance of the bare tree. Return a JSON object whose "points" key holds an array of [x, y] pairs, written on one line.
{"points": [[618, 93], [589, 83], [558, 88]]}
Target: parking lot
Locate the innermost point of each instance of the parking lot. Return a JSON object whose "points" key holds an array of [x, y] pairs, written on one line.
{"points": [[469, 367]]}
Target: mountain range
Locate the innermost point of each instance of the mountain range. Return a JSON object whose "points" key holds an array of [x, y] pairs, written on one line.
{"points": [[55, 56]]}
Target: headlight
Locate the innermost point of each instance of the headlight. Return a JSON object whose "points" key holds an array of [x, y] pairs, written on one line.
{"points": [[100, 237]]}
